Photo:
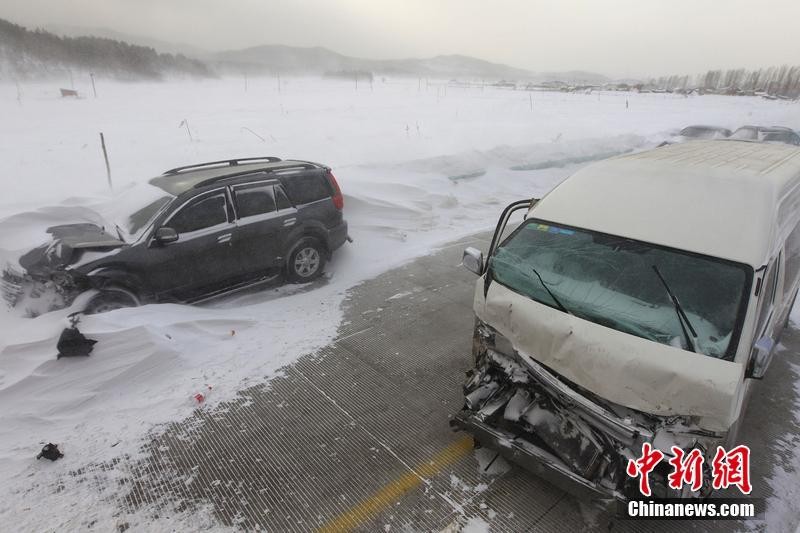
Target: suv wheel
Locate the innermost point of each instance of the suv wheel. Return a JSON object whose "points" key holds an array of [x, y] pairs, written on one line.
{"points": [[109, 300], [306, 262]]}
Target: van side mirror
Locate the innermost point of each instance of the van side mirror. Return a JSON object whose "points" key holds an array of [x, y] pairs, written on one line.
{"points": [[166, 235], [473, 260], [760, 358]]}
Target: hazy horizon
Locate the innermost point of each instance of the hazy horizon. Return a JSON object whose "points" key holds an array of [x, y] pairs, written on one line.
{"points": [[619, 38]]}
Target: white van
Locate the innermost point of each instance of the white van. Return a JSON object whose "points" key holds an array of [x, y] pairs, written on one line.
{"points": [[637, 302]]}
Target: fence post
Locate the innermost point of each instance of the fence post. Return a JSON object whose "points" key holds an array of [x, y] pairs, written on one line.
{"points": [[105, 156]]}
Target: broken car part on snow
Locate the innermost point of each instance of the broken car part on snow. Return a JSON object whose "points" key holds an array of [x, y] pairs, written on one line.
{"points": [[623, 311], [50, 451], [72, 342]]}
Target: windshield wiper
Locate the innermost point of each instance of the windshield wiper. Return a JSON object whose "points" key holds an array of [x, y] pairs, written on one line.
{"points": [[119, 232], [682, 318], [553, 296]]}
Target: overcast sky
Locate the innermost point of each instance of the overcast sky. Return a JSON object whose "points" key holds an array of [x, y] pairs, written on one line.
{"points": [[615, 37]]}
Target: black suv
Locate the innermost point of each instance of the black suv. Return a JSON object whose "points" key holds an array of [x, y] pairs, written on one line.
{"points": [[192, 233]]}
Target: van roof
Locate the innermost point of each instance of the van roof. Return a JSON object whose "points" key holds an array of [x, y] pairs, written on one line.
{"points": [[729, 199]]}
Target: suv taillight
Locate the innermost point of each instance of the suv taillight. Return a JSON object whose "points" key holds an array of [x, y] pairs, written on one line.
{"points": [[338, 198]]}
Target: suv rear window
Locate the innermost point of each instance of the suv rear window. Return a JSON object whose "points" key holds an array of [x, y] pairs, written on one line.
{"points": [[306, 187]]}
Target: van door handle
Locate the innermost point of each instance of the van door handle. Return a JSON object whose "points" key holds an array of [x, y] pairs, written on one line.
{"points": [[289, 221], [222, 239]]}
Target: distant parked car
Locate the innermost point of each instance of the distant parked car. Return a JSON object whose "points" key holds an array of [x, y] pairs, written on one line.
{"points": [[777, 134], [784, 137], [190, 234], [696, 132], [704, 132]]}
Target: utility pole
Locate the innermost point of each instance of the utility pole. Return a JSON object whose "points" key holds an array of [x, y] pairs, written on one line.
{"points": [[94, 89]]}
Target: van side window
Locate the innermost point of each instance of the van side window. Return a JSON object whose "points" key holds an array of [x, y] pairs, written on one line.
{"points": [[767, 295], [792, 261], [255, 199], [281, 199]]}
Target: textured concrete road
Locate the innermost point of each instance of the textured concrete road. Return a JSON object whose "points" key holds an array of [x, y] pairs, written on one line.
{"points": [[357, 435]]}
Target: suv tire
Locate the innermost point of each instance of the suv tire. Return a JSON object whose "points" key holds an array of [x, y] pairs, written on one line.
{"points": [[109, 300], [306, 261]]}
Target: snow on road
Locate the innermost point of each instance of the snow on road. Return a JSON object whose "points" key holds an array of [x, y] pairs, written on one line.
{"points": [[418, 167]]}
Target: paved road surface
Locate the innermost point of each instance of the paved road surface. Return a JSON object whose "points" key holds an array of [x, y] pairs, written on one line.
{"points": [[357, 435]]}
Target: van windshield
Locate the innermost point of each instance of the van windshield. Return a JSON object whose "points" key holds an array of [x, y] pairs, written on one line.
{"points": [[612, 281]]}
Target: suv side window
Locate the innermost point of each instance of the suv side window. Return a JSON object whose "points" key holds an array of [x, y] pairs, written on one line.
{"points": [[306, 187], [254, 199], [281, 199], [203, 213]]}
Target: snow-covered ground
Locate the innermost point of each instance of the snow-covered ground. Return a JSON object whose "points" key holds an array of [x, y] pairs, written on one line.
{"points": [[419, 165]]}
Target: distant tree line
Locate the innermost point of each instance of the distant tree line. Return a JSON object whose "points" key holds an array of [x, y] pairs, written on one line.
{"points": [[363, 75], [783, 82], [37, 53]]}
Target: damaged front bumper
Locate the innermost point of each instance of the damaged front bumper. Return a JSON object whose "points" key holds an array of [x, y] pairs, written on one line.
{"points": [[531, 457], [38, 294], [562, 433], [12, 285]]}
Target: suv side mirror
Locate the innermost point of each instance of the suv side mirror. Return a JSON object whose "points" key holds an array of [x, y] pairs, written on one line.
{"points": [[166, 235], [473, 260], [760, 358]]}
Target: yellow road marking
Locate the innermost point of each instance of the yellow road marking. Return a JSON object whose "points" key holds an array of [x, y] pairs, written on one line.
{"points": [[392, 492]]}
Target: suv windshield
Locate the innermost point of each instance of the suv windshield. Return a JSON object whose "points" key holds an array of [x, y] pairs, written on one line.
{"points": [[611, 281], [132, 210]]}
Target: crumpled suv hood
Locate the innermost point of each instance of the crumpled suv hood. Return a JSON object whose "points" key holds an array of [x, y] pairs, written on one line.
{"points": [[84, 235], [61, 250], [623, 369]]}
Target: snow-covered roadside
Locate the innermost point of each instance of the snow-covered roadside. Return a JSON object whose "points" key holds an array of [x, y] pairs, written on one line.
{"points": [[402, 198], [781, 512]]}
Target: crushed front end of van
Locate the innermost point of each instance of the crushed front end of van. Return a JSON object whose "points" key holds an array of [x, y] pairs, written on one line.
{"points": [[575, 439]]}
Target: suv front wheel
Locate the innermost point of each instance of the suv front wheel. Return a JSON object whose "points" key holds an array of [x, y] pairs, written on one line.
{"points": [[307, 261], [109, 300]]}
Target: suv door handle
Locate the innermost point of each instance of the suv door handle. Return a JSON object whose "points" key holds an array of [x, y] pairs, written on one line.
{"points": [[289, 221], [222, 239]]}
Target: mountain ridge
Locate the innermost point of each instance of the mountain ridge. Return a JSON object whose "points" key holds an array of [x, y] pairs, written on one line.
{"points": [[67, 45], [317, 59]]}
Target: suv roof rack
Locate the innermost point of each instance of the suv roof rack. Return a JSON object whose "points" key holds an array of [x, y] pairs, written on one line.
{"points": [[300, 166], [228, 162]]}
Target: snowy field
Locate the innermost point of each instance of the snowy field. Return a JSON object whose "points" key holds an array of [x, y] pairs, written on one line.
{"points": [[419, 165]]}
